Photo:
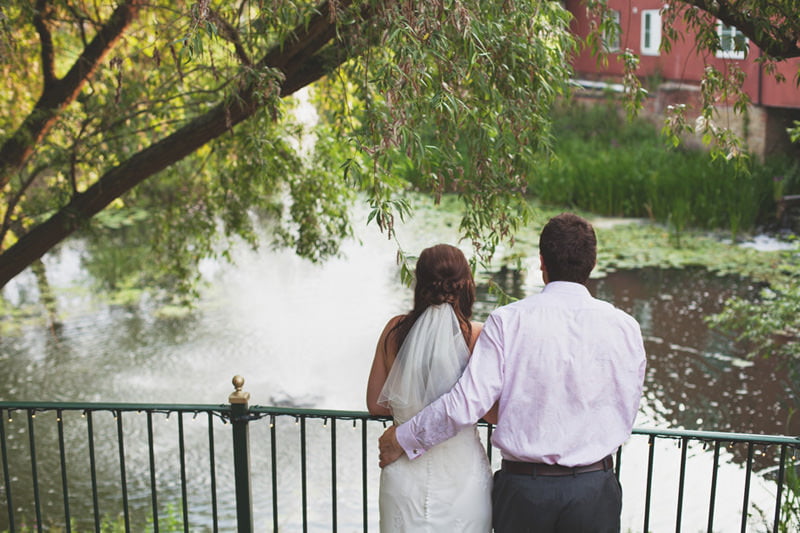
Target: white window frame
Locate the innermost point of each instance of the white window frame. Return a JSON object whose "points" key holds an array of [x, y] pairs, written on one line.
{"points": [[651, 32], [614, 46], [727, 35]]}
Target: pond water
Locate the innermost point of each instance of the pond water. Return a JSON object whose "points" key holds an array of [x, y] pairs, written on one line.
{"points": [[304, 334], [696, 377]]}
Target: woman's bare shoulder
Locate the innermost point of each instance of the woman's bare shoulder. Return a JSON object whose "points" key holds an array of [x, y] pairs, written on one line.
{"points": [[387, 346], [395, 319], [391, 324]]}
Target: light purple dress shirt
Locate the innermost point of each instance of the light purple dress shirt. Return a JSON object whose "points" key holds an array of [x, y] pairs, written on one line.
{"points": [[567, 369]]}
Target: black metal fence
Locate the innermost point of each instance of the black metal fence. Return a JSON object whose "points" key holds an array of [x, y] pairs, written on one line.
{"points": [[142, 467]]}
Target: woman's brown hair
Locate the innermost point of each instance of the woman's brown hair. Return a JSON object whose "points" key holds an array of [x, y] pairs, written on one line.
{"points": [[442, 275]]}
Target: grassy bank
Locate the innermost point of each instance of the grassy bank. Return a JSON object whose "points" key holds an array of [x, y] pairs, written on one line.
{"points": [[609, 166]]}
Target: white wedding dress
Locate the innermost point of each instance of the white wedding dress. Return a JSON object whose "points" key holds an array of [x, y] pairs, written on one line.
{"points": [[449, 487]]}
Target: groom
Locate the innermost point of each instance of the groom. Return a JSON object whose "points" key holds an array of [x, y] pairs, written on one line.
{"points": [[567, 370]]}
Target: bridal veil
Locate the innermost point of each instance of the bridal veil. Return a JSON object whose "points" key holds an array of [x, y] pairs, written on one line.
{"points": [[429, 362]]}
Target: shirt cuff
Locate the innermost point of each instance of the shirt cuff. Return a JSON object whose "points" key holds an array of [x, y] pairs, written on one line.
{"points": [[408, 442]]}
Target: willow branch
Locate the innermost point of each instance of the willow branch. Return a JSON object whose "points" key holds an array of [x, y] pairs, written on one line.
{"points": [[306, 56], [227, 32]]}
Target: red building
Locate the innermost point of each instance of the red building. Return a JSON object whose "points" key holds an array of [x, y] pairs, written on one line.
{"points": [[674, 76]]}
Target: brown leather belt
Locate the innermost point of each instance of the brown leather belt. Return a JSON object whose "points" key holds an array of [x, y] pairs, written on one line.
{"points": [[541, 469]]}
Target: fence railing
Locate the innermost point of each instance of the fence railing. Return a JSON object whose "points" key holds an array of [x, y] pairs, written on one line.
{"points": [[144, 467]]}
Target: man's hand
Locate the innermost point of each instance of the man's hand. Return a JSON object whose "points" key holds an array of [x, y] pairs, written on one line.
{"points": [[388, 447]]}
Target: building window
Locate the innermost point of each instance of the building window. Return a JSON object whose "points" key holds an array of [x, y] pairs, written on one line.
{"points": [[732, 42], [611, 39], [651, 32]]}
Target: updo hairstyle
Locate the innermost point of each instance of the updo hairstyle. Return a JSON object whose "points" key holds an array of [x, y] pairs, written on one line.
{"points": [[442, 275]]}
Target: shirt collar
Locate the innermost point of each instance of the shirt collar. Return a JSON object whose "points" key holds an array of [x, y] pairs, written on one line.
{"points": [[567, 288]]}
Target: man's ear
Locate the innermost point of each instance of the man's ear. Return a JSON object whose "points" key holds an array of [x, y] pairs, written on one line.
{"points": [[543, 268]]}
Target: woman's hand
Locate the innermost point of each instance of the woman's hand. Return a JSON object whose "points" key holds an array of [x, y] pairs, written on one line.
{"points": [[388, 447]]}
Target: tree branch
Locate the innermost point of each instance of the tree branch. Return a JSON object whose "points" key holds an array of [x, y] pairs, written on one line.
{"points": [[13, 199], [775, 43], [304, 58], [43, 10], [60, 93], [227, 32]]}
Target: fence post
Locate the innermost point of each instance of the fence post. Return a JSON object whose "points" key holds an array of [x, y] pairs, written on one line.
{"points": [[241, 455]]}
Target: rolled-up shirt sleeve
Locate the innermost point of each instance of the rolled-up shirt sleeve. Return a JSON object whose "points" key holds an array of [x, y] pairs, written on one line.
{"points": [[469, 399]]}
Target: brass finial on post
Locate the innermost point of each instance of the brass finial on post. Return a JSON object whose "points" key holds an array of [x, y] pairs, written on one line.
{"points": [[238, 396], [240, 419]]}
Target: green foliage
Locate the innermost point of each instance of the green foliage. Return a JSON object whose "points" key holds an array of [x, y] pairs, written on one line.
{"points": [[608, 166], [456, 100], [638, 245], [794, 131], [449, 96], [769, 25], [171, 523], [770, 324], [174, 63]]}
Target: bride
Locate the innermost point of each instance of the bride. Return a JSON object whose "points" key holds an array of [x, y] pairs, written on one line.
{"points": [[420, 355]]}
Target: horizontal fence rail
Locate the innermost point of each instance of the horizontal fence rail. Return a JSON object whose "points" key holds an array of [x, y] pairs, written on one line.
{"points": [[145, 467]]}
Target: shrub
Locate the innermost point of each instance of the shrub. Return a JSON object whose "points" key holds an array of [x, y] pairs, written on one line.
{"points": [[608, 165]]}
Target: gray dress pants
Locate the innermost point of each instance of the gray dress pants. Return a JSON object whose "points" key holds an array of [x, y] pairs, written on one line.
{"points": [[590, 502]]}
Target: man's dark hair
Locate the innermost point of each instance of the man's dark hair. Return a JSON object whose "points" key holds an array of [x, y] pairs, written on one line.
{"points": [[568, 246]]}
